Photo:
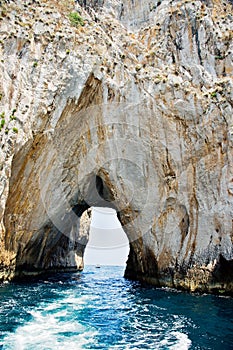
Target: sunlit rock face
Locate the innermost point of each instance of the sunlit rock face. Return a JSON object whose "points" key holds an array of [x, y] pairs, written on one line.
{"points": [[133, 111]]}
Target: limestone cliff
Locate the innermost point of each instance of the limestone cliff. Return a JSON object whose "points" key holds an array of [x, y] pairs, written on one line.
{"points": [[131, 108]]}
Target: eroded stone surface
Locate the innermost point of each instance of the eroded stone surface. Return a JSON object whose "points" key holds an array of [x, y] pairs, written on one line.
{"points": [[133, 109]]}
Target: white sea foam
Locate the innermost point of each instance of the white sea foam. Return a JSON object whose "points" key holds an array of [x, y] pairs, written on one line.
{"points": [[48, 341], [176, 340], [183, 341], [50, 328]]}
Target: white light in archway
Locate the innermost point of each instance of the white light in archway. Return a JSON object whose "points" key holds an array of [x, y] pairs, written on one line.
{"points": [[108, 243]]}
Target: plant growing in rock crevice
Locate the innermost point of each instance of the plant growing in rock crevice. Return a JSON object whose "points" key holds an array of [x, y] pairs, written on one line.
{"points": [[75, 19], [2, 123], [213, 94]]}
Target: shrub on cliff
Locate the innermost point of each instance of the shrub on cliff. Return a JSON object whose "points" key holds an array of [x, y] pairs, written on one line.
{"points": [[75, 19]]}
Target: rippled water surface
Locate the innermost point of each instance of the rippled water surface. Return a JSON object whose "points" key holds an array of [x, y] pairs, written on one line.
{"points": [[99, 309]]}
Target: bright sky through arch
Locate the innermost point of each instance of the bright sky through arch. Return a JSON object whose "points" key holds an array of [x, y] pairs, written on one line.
{"points": [[108, 243]]}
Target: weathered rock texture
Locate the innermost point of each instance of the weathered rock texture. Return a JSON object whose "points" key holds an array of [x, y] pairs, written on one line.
{"points": [[132, 110]]}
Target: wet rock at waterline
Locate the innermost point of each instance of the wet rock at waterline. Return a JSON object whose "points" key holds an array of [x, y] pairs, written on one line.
{"points": [[130, 109]]}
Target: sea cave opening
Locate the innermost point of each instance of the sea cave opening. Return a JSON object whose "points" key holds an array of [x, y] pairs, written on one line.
{"points": [[108, 244]]}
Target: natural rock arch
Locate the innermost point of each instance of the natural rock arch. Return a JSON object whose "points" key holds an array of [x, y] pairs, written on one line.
{"points": [[47, 196], [89, 160]]}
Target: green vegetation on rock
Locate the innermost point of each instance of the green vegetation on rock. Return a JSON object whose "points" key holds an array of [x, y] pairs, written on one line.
{"points": [[75, 19]]}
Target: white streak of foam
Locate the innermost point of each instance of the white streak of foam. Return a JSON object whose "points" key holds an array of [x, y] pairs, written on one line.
{"points": [[176, 341], [53, 330], [183, 341]]}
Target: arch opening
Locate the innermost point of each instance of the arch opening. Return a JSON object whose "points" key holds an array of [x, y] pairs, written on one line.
{"points": [[108, 244]]}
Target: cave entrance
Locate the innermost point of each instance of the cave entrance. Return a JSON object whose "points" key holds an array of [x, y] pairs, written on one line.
{"points": [[108, 243]]}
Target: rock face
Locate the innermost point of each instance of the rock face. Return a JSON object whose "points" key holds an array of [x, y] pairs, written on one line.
{"points": [[133, 110]]}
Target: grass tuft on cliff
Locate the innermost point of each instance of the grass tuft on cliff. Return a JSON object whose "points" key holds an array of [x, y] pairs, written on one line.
{"points": [[75, 19]]}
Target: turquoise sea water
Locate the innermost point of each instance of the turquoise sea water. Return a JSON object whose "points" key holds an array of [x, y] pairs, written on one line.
{"points": [[99, 309]]}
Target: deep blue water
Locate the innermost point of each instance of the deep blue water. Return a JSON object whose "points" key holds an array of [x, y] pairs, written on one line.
{"points": [[99, 309]]}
